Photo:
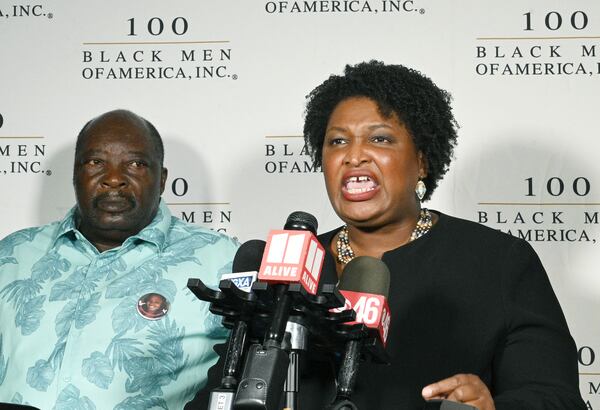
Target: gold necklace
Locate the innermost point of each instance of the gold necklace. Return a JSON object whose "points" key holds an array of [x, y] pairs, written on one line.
{"points": [[345, 253]]}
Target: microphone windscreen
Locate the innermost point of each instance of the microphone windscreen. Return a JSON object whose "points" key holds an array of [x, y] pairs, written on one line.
{"points": [[301, 221], [366, 274], [249, 256]]}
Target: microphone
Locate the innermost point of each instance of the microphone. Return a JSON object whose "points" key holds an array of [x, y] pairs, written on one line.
{"points": [[293, 255], [292, 262], [245, 265], [365, 284]]}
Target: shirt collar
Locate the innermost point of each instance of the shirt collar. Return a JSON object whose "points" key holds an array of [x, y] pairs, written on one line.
{"points": [[155, 233]]}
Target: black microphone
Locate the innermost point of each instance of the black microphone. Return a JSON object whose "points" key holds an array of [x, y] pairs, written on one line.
{"points": [[365, 282], [266, 366], [246, 263]]}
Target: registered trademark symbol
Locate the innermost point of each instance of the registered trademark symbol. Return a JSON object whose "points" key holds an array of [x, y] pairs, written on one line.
{"points": [[234, 76], [421, 11], [48, 172], [50, 15]]}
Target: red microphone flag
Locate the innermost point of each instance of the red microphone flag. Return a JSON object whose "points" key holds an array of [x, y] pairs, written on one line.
{"points": [[292, 256], [371, 310]]}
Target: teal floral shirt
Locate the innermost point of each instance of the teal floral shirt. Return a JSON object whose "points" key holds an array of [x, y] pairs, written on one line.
{"points": [[119, 329]]}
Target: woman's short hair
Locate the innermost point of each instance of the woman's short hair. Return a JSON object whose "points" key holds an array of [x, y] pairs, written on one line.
{"points": [[417, 102]]}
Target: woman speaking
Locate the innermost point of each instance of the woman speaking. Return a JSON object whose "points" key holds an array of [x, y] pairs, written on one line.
{"points": [[474, 317]]}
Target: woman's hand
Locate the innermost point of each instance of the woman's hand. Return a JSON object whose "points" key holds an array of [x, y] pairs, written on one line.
{"points": [[461, 388]]}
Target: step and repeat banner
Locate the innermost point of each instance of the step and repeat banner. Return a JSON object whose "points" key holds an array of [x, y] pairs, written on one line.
{"points": [[225, 81]]}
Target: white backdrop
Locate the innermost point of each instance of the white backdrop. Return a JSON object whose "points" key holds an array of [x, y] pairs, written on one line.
{"points": [[224, 82]]}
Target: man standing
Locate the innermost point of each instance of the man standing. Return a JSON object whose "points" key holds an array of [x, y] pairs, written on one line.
{"points": [[94, 309]]}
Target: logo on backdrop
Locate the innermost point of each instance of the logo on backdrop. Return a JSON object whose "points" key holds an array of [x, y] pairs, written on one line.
{"points": [[554, 211], [20, 11], [287, 154], [344, 6], [589, 383], [548, 43], [158, 48], [212, 215], [22, 154]]}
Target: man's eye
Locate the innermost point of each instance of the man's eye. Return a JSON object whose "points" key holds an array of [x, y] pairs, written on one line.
{"points": [[138, 164], [381, 138], [92, 162]]}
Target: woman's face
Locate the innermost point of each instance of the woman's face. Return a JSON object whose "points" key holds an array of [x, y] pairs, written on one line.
{"points": [[154, 303], [371, 165]]}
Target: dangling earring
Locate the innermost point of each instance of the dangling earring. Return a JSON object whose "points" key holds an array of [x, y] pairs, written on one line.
{"points": [[421, 189]]}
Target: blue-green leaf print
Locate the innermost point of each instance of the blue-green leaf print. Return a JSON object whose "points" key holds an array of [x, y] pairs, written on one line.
{"points": [[125, 317], [40, 375], [79, 312], [227, 268], [110, 271], [20, 291], [3, 363], [172, 259], [86, 313], [98, 370], [122, 349], [71, 287], [154, 235], [18, 399], [50, 266], [30, 314], [58, 353], [69, 399], [165, 287], [8, 244], [146, 375], [166, 345], [7, 259], [129, 285], [186, 237], [141, 402]]}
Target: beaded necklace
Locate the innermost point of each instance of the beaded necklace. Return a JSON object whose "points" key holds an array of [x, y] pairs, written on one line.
{"points": [[345, 253]]}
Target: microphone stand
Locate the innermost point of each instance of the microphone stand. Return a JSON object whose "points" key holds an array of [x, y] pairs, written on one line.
{"points": [[298, 339], [347, 376], [222, 397]]}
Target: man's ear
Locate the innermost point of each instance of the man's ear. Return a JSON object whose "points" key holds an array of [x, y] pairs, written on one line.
{"points": [[163, 179]]}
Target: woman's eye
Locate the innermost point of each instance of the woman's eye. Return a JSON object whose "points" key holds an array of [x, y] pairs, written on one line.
{"points": [[336, 141]]}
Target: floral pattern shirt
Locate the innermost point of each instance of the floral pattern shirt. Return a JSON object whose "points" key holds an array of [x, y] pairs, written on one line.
{"points": [[72, 334]]}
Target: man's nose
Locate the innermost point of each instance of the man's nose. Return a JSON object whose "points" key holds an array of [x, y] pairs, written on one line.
{"points": [[114, 178]]}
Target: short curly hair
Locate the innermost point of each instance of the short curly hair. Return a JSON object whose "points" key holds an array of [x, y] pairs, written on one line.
{"points": [[421, 106]]}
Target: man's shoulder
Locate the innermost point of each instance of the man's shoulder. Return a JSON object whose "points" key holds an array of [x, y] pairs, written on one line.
{"points": [[193, 236], [37, 235]]}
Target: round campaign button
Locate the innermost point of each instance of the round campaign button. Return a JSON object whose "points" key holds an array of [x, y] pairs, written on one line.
{"points": [[152, 306]]}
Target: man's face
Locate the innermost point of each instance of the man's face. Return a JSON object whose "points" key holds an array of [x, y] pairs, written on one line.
{"points": [[118, 180]]}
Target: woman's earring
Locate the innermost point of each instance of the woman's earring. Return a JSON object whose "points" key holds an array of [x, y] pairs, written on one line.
{"points": [[421, 189]]}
